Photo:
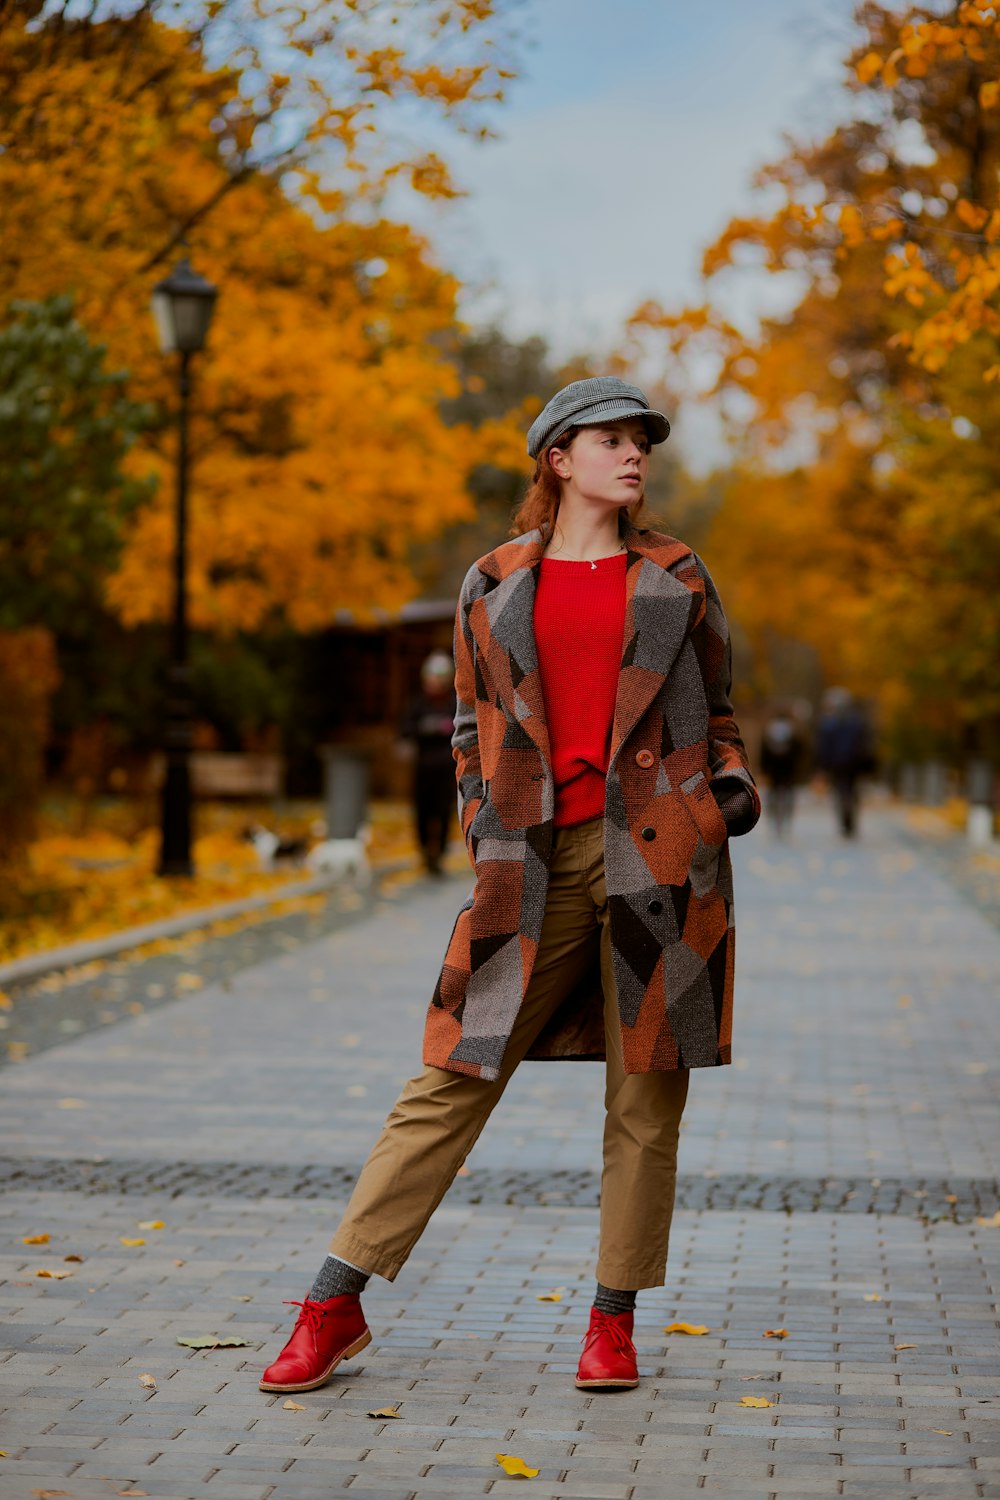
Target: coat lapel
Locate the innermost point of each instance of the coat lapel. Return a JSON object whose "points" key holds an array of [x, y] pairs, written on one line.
{"points": [[502, 622], [659, 609]]}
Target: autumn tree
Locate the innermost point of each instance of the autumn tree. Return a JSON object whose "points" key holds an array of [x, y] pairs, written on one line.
{"points": [[319, 452], [860, 513], [66, 427]]}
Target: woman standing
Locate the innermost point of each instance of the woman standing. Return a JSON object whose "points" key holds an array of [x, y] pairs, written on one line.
{"points": [[600, 772]]}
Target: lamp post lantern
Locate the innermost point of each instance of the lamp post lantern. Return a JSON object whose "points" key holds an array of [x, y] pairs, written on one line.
{"points": [[182, 306]]}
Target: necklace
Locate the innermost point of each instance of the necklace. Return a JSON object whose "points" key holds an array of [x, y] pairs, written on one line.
{"points": [[593, 564]]}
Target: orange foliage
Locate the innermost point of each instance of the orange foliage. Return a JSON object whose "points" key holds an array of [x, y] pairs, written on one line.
{"points": [[318, 453], [860, 513]]}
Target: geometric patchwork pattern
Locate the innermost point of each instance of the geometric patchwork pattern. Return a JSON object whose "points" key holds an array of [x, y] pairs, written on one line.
{"points": [[667, 866]]}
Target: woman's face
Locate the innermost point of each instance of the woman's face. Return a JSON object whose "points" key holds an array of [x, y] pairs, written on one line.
{"points": [[606, 464]]}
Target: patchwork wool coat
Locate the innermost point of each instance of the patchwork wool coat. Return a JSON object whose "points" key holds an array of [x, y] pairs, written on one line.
{"points": [[667, 868]]}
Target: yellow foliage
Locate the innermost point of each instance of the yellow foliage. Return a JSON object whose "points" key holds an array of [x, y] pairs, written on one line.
{"points": [[318, 455], [78, 886], [852, 225], [859, 515], [869, 67], [974, 215]]}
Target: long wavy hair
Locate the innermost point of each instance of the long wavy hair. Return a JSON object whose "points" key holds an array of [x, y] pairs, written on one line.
{"points": [[539, 509]]}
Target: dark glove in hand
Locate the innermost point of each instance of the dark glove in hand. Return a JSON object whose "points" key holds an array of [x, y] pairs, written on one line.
{"points": [[735, 802]]}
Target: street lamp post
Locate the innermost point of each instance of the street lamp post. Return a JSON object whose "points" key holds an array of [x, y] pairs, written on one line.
{"points": [[182, 306]]}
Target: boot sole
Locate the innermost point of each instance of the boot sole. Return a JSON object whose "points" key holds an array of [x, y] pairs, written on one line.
{"points": [[587, 1385], [311, 1385]]}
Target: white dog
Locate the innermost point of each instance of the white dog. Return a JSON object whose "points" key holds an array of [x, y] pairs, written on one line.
{"points": [[344, 858]]}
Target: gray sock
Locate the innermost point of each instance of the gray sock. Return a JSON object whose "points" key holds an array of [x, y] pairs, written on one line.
{"points": [[610, 1300], [335, 1279]]}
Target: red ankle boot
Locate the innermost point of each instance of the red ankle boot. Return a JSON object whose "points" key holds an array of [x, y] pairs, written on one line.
{"points": [[326, 1333], [608, 1357]]}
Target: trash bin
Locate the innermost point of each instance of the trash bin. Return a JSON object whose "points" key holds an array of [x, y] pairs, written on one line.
{"points": [[345, 790], [979, 783], [934, 782]]}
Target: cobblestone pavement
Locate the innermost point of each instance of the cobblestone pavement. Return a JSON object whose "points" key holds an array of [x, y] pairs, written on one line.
{"points": [[975, 873], [832, 1184], [43, 1012]]}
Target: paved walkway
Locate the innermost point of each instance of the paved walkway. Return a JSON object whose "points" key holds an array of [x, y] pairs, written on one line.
{"points": [[831, 1185]]}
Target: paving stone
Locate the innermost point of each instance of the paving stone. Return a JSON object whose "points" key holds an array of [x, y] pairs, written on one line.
{"points": [[807, 1182]]}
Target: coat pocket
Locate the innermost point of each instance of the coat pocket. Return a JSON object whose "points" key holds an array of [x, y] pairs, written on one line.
{"points": [[704, 810]]}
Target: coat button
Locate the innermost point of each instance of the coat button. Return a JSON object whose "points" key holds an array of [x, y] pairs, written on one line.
{"points": [[648, 834], [645, 758], [655, 907]]}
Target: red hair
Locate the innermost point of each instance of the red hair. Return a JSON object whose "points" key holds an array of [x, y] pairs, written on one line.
{"points": [[540, 506]]}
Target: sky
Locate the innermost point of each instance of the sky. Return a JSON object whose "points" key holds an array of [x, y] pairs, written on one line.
{"points": [[627, 143]]}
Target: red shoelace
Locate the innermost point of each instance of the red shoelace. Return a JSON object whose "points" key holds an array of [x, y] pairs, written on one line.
{"points": [[606, 1323], [312, 1316]]}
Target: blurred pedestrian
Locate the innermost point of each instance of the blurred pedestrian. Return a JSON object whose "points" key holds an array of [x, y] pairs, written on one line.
{"points": [[430, 724], [845, 752], [781, 762], [600, 774]]}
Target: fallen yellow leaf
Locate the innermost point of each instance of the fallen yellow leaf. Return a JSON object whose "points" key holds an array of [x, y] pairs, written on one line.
{"points": [[48, 1494], [292, 1406], [189, 981], [755, 1401], [36, 1239], [6, 1003], [133, 1492], [872, 1297], [993, 1223], [54, 1275], [906, 1346], [685, 1328], [385, 1411], [944, 1431], [214, 1341], [951, 1197], [515, 1467], [126, 1241], [775, 1333], [555, 1296], [149, 1381], [152, 1224], [77, 1258]]}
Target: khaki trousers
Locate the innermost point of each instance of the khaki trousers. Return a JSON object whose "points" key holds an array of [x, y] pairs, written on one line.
{"points": [[439, 1115]]}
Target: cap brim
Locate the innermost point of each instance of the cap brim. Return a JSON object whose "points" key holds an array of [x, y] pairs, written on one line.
{"points": [[609, 411], [656, 423]]}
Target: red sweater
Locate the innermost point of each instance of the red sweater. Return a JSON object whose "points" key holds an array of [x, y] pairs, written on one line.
{"points": [[579, 630]]}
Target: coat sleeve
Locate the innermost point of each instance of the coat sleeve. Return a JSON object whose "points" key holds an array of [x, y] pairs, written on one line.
{"points": [[727, 755], [465, 739]]}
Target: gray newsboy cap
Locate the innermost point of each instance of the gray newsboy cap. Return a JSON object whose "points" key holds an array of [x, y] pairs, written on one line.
{"points": [[587, 403]]}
